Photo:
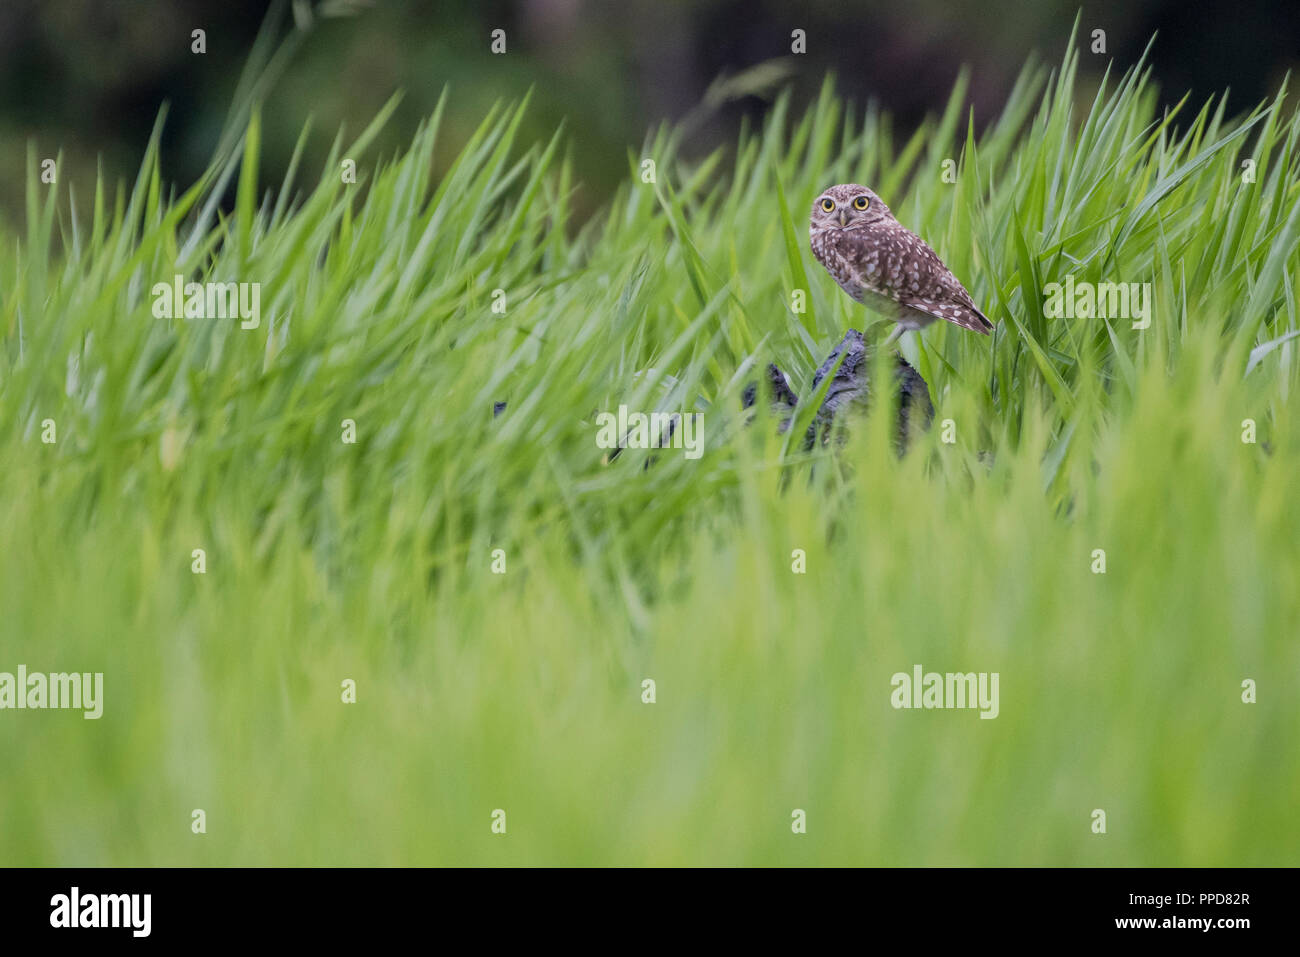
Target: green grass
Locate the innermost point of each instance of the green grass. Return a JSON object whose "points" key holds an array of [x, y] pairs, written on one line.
{"points": [[372, 561]]}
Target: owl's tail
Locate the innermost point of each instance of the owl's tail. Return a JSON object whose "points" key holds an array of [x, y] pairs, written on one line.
{"points": [[968, 317]]}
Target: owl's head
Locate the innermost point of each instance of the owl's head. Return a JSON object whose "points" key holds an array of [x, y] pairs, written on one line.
{"points": [[846, 206]]}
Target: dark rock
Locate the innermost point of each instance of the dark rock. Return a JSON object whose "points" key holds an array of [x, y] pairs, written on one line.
{"points": [[849, 391]]}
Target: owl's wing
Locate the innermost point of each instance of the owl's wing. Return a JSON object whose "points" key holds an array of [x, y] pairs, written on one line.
{"points": [[924, 283]]}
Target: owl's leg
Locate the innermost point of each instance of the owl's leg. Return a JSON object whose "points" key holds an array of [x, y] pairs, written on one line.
{"points": [[894, 336]]}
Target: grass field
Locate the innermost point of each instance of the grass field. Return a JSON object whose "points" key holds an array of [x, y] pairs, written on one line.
{"points": [[327, 561]]}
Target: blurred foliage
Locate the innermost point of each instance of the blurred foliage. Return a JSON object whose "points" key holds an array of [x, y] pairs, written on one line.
{"points": [[87, 77]]}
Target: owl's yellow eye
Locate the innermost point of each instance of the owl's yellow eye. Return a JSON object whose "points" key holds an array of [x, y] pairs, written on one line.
{"points": [[860, 203], [828, 205]]}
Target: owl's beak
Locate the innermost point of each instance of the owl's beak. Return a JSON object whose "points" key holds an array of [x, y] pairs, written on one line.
{"points": [[844, 217]]}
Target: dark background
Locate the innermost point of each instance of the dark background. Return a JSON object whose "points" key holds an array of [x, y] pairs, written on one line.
{"points": [[87, 77]]}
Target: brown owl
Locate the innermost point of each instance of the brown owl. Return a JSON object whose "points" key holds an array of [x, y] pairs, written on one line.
{"points": [[886, 266]]}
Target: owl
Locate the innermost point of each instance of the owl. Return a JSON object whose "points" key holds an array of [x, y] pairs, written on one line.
{"points": [[884, 265]]}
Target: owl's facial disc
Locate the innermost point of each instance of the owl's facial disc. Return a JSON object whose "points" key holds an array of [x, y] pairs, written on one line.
{"points": [[847, 207], [855, 211]]}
